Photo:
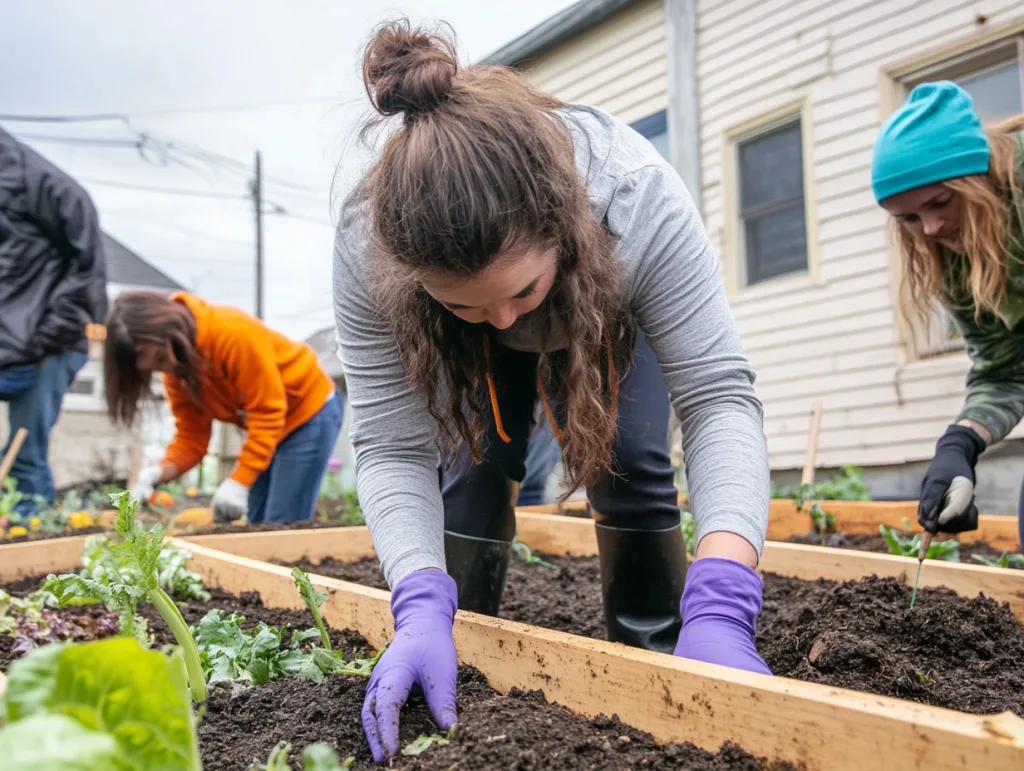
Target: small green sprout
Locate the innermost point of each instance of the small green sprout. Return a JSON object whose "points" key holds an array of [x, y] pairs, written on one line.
{"points": [[422, 743], [903, 546], [523, 552], [1005, 560], [316, 757]]}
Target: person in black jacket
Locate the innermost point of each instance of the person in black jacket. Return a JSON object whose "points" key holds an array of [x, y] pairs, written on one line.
{"points": [[52, 285]]}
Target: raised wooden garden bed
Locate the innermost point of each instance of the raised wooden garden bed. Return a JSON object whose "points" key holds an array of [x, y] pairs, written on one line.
{"points": [[671, 698], [859, 517]]}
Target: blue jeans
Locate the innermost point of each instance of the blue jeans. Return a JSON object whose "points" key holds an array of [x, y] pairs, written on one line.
{"points": [[37, 410], [288, 490], [542, 455]]}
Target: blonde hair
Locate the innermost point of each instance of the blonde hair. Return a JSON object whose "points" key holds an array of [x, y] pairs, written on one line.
{"points": [[985, 207]]}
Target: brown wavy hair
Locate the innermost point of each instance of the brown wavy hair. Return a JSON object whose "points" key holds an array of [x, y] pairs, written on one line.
{"points": [[481, 167], [986, 204], [136, 319]]}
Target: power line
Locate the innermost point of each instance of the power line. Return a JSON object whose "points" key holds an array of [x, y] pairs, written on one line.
{"points": [[164, 190], [88, 141], [124, 116]]}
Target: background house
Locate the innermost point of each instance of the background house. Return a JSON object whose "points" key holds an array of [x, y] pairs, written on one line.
{"points": [[769, 110], [84, 444]]}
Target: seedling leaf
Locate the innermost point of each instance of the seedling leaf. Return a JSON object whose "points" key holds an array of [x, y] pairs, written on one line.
{"points": [[313, 599], [422, 743]]}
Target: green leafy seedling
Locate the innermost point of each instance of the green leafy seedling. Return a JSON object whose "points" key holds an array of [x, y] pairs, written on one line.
{"points": [[903, 546], [313, 599], [316, 757], [524, 553], [109, 705], [1005, 560], [423, 742], [131, 575]]}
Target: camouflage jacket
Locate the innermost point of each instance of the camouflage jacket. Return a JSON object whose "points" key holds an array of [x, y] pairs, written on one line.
{"points": [[995, 382]]}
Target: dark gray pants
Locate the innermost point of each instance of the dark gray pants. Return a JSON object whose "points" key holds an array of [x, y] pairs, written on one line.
{"points": [[641, 495]]}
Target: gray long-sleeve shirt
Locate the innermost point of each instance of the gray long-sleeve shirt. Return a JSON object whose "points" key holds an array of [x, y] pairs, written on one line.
{"points": [[677, 298]]}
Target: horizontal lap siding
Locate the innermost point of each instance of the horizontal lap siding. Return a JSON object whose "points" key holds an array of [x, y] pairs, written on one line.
{"points": [[835, 341], [618, 65]]}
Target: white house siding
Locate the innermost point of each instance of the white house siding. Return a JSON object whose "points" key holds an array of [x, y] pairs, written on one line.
{"points": [[618, 65], [836, 340]]}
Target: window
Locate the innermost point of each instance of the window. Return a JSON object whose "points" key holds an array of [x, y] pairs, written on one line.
{"points": [[655, 129], [773, 225], [994, 77]]}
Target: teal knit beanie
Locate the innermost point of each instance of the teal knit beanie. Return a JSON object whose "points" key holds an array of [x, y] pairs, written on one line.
{"points": [[934, 136]]}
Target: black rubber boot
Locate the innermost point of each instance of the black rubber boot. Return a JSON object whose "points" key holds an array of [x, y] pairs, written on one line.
{"points": [[642, 578], [478, 566]]}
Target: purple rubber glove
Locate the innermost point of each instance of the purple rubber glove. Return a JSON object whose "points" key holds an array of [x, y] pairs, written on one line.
{"points": [[422, 653], [720, 606]]}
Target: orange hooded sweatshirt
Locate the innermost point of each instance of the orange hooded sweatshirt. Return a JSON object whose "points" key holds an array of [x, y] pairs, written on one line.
{"points": [[255, 378]]}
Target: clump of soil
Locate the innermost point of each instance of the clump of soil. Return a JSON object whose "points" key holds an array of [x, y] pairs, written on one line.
{"points": [[522, 731], [949, 651], [875, 543]]}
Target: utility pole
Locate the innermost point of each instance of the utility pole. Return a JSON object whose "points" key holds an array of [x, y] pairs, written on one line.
{"points": [[257, 199]]}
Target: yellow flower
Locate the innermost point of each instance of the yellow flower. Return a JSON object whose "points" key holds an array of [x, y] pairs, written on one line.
{"points": [[16, 531], [192, 492], [35, 523], [80, 519]]}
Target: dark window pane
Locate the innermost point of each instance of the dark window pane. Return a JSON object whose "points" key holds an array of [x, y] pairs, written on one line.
{"points": [[83, 387], [771, 167], [996, 92], [776, 243], [655, 129]]}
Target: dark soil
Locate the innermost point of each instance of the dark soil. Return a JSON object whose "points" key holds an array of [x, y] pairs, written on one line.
{"points": [[949, 651], [875, 543], [567, 598], [517, 731]]}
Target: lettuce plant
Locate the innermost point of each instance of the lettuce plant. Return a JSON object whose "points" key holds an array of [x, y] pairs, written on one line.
{"points": [[109, 705], [131, 575]]}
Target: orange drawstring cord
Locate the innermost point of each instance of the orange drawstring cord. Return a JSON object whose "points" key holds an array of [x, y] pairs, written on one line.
{"points": [[494, 392], [613, 389]]}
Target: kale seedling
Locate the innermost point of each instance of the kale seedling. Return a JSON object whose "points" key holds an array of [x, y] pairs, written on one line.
{"points": [[131, 576], [313, 599], [1005, 560], [524, 553]]}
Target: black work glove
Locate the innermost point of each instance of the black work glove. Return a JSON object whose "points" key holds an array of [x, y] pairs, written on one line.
{"points": [[947, 492]]}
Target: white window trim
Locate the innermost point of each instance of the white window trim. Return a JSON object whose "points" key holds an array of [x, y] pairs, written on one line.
{"points": [[733, 260]]}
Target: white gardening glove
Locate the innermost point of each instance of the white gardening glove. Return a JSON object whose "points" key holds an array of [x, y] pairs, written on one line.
{"points": [[146, 482], [230, 501]]}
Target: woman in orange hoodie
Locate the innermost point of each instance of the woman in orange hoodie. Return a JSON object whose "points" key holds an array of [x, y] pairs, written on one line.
{"points": [[219, 363]]}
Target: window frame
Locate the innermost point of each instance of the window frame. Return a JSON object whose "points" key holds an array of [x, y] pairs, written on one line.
{"points": [[734, 260], [972, 54]]}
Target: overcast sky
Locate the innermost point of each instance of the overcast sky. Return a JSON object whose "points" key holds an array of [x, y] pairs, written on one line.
{"points": [[175, 68]]}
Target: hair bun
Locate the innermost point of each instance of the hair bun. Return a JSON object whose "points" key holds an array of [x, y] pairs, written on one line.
{"points": [[408, 70]]}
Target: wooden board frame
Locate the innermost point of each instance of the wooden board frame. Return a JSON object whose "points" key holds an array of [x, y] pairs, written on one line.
{"points": [[862, 517], [557, 534], [675, 699]]}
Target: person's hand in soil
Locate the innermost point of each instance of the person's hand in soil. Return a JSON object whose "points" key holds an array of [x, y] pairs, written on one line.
{"points": [[719, 607], [230, 501], [421, 653], [947, 492]]}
